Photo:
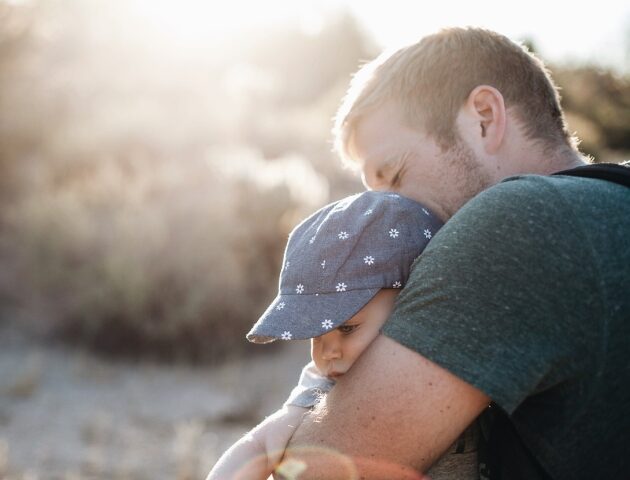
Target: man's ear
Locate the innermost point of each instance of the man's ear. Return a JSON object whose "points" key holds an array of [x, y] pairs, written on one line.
{"points": [[487, 110]]}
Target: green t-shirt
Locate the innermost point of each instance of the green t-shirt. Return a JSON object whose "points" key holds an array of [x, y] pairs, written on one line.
{"points": [[525, 294]]}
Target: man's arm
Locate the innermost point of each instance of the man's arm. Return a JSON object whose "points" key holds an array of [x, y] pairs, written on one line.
{"points": [[391, 416]]}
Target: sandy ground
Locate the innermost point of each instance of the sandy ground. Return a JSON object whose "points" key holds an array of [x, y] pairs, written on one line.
{"points": [[65, 414]]}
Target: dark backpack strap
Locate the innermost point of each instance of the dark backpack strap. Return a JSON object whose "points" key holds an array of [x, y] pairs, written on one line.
{"points": [[612, 172], [501, 453]]}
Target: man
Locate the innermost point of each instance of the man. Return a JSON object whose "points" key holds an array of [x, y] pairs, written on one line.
{"points": [[521, 299]]}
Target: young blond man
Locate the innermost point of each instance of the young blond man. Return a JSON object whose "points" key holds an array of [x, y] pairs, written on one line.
{"points": [[518, 300]]}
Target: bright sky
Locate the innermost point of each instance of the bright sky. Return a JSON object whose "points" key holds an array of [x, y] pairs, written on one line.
{"points": [[595, 31]]}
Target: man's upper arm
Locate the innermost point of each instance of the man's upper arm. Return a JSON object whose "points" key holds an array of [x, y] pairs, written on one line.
{"points": [[392, 415]]}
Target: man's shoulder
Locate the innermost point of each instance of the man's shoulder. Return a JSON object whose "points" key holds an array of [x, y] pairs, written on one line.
{"points": [[535, 199], [530, 187], [533, 217], [549, 186], [523, 202]]}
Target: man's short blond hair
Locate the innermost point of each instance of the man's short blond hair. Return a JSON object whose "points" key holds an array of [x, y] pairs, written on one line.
{"points": [[431, 79]]}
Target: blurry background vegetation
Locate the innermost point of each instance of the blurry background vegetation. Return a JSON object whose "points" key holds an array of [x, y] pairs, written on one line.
{"points": [[146, 190]]}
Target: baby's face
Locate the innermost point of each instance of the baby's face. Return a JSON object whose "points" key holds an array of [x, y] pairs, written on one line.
{"points": [[336, 351]]}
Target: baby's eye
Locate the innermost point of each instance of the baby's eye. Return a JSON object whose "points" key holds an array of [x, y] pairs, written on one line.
{"points": [[347, 329]]}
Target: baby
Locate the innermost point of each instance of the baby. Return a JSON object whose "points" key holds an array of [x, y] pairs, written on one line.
{"points": [[343, 267]]}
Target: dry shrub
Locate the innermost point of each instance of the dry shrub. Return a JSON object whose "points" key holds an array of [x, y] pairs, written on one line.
{"points": [[171, 259]]}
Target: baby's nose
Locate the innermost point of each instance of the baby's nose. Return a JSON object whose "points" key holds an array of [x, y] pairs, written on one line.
{"points": [[331, 349]]}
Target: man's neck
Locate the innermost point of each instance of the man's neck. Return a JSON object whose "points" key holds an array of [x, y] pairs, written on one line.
{"points": [[565, 159], [545, 161]]}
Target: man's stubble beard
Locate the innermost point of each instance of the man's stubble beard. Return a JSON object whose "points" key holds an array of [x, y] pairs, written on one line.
{"points": [[469, 176]]}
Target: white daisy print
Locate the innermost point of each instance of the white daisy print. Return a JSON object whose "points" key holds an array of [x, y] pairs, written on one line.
{"points": [[286, 335], [427, 233], [369, 211], [323, 264], [396, 284], [299, 289], [312, 240], [368, 259], [426, 212], [327, 324], [280, 306], [343, 235], [341, 287], [287, 265], [393, 232]]}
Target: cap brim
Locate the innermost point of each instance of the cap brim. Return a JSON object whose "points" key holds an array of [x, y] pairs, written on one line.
{"points": [[298, 317]]}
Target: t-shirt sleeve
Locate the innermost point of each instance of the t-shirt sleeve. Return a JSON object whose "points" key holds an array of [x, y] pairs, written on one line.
{"points": [[310, 388], [488, 298]]}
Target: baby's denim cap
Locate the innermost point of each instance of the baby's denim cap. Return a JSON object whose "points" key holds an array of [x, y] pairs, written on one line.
{"points": [[339, 258]]}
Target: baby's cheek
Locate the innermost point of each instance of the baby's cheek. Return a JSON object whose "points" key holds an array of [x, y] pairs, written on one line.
{"points": [[316, 357]]}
